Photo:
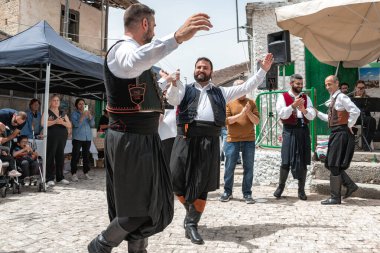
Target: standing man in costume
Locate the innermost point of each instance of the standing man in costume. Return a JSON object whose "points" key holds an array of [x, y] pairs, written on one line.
{"points": [[342, 116], [139, 192], [195, 159], [295, 111], [242, 116]]}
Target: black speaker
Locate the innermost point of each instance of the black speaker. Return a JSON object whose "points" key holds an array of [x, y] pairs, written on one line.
{"points": [[271, 79], [279, 46]]}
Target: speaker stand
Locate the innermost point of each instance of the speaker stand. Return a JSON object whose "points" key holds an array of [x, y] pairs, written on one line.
{"points": [[268, 122]]}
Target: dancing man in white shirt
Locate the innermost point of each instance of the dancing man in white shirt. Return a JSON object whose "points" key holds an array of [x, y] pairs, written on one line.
{"points": [[195, 159], [295, 111], [341, 117], [139, 191]]}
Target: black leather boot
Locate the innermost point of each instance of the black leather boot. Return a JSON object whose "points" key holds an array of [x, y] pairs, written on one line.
{"points": [[138, 246], [186, 205], [283, 176], [108, 239], [349, 184], [301, 186], [335, 188], [191, 225]]}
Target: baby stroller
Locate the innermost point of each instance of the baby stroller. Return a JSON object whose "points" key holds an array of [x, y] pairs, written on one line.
{"points": [[8, 181], [4, 179], [36, 179]]}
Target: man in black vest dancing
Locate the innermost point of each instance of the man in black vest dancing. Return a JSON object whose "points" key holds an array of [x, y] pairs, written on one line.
{"points": [[139, 189], [295, 110], [195, 159]]}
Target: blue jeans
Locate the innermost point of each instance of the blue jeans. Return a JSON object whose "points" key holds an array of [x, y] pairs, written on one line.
{"points": [[231, 150], [223, 136]]}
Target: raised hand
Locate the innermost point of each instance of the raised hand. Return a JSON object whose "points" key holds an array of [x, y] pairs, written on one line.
{"points": [[163, 73], [267, 62], [195, 23]]}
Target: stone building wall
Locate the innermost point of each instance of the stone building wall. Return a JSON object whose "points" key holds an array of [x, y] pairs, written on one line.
{"points": [[18, 15], [9, 16], [262, 19], [267, 169]]}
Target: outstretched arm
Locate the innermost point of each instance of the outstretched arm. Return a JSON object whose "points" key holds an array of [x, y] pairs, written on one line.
{"points": [[235, 92], [129, 60]]}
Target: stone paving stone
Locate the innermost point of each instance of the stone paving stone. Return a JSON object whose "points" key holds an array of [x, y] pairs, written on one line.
{"points": [[66, 218]]}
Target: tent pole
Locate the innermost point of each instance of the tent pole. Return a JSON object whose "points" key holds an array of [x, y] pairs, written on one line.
{"points": [[337, 69], [46, 115]]}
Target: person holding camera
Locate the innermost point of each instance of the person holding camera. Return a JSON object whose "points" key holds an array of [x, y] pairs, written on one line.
{"points": [[11, 123], [82, 121], [295, 110]]}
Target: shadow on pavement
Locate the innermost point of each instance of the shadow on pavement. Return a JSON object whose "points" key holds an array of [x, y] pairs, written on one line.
{"points": [[244, 233]]}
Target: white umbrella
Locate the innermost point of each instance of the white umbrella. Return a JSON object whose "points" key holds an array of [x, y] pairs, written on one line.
{"points": [[336, 31]]}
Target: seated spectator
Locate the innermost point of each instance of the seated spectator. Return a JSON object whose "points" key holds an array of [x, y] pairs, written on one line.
{"points": [[33, 122], [25, 157], [103, 122], [369, 122], [5, 157]]}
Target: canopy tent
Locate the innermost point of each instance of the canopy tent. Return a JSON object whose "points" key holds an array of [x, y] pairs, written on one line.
{"points": [[74, 71], [335, 31], [39, 60]]}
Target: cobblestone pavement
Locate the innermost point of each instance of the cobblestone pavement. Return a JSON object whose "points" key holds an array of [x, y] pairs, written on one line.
{"points": [[66, 218]]}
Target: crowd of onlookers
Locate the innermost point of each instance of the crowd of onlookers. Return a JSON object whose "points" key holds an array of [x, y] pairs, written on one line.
{"points": [[20, 129]]}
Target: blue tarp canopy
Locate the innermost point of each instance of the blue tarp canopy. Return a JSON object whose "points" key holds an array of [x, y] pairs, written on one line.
{"points": [[25, 56]]}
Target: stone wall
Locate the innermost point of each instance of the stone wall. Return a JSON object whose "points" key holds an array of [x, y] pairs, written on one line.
{"points": [[18, 15], [267, 169], [9, 16]]}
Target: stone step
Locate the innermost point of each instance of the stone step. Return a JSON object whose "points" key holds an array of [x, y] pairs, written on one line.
{"points": [[360, 172], [368, 191], [360, 156]]}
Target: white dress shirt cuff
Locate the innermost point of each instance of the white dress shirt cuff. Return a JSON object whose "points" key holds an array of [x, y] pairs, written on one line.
{"points": [[170, 41]]}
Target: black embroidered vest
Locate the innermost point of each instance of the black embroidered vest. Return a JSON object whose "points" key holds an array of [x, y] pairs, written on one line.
{"points": [[132, 95], [187, 110]]}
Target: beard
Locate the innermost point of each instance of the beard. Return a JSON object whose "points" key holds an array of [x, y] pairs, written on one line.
{"points": [[202, 77], [148, 36], [296, 90]]}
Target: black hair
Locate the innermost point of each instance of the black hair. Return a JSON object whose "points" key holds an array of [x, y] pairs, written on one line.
{"points": [[21, 137], [32, 101], [77, 102], [204, 59]]}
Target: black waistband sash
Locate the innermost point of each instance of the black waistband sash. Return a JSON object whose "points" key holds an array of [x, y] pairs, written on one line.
{"points": [[199, 128], [138, 123]]}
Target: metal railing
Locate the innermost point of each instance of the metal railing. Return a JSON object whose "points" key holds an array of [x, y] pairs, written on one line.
{"points": [[269, 130]]}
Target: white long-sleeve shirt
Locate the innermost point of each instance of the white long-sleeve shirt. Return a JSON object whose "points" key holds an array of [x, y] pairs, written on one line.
{"points": [[204, 110], [167, 127], [342, 103], [128, 59], [284, 111]]}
